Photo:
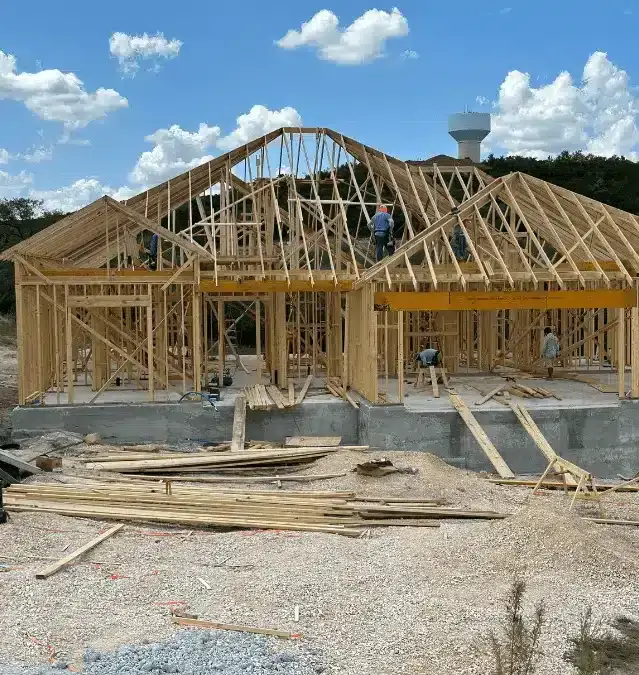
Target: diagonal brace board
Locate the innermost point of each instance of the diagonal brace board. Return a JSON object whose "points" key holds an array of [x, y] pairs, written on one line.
{"points": [[480, 436]]}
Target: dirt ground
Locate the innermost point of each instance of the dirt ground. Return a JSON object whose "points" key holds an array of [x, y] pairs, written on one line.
{"points": [[416, 601]]}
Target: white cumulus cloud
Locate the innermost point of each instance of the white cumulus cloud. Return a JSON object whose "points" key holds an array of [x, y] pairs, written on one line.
{"points": [[174, 151], [12, 185], [130, 50], [361, 42], [78, 194], [56, 96], [258, 122], [4, 156], [598, 114]]}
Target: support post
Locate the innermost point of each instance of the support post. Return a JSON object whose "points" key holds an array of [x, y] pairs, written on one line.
{"points": [[634, 336], [400, 356], [258, 340], [149, 343], [220, 341], [621, 352]]}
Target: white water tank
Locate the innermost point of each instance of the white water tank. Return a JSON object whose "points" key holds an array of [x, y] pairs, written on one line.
{"points": [[469, 129]]}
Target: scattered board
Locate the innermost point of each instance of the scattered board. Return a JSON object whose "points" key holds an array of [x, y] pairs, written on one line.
{"points": [[480, 435], [52, 569]]}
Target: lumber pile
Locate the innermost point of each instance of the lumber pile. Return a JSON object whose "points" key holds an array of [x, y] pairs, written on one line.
{"points": [[269, 397], [504, 391], [209, 461], [328, 512]]}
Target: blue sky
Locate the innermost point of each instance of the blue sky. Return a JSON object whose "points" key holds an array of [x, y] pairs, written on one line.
{"points": [[390, 83]]}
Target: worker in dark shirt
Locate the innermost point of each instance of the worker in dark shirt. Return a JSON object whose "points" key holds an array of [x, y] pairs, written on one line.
{"points": [[153, 252]]}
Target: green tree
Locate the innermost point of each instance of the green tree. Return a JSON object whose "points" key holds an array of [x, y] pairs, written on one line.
{"points": [[20, 218]]}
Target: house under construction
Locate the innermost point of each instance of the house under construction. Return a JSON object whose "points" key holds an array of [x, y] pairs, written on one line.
{"points": [[278, 230]]}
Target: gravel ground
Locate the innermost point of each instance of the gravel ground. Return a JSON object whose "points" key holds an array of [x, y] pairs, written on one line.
{"points": [[403, 601]]}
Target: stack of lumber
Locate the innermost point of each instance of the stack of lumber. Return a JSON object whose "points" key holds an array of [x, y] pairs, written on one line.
{"points": [[522, 391], [207, 461], [269, 397], [258, 397], [330, 512]]}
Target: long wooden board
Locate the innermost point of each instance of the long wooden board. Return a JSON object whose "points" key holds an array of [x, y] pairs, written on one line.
{"points": [[480, 436], [542, 443], [200, 623], [302, 394], [496, 300], [59, 564], [433, 379], [312, 441], [239, 424]]}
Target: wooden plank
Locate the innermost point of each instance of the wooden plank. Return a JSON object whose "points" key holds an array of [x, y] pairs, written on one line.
{"points": [[496, 300], [291, 394], [533, 430], [304, 390], [275, 286], [433, 379], [276, 395], [239, 424], [315, 441], [200, 623], [490, 394], [89, 301], [480, 435], [17, 463], [52, 569], [634, 352]]}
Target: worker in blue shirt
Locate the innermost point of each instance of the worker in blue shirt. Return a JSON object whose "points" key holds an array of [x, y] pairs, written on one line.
{"points": [[381, 225], [429, 357]]}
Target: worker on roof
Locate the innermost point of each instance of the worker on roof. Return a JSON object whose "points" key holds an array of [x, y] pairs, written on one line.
{"points": [[381, 225], [153, 252], [458, 242]]}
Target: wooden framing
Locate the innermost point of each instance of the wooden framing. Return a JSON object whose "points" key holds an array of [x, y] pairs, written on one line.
{"points": [[276, 230]]}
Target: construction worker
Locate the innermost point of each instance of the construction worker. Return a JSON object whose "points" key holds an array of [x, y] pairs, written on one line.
{"points": [[429, 357], [550, 350], [153, 252], [381, 225]]}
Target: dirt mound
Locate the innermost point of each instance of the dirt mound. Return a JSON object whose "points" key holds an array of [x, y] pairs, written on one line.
{"points": [[433, 479]]}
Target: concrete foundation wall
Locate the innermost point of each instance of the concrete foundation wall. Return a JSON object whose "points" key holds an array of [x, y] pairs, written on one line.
{"points": [[603, 440]]}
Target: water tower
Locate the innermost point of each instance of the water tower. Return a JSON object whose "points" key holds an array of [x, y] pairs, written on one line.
{"points": [[469, 129]]}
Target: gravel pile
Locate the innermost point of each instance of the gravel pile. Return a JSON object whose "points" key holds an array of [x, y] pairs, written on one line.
{"points": [[192, 653]]}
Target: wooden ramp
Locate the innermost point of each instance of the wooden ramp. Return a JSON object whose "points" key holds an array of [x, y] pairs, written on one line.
{"points": [[480, 436], [570, 473]]}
